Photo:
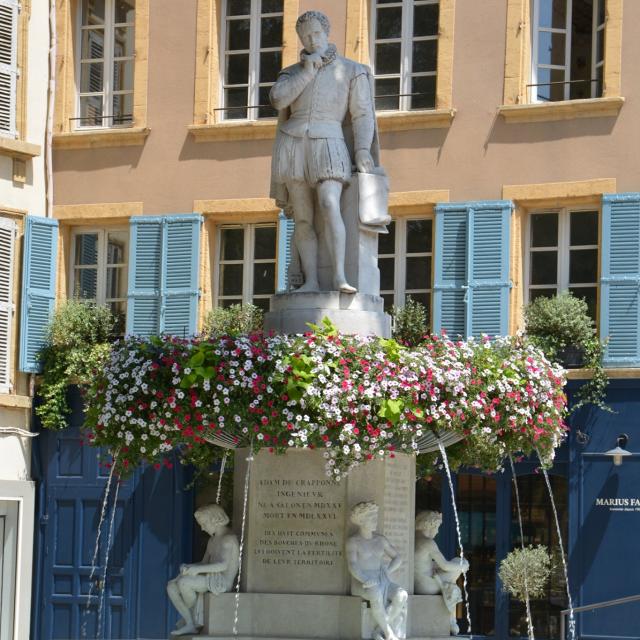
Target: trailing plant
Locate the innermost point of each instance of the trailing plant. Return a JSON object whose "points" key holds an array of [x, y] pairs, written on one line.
{"points": [[525, 572], [410, 324], [560, 322], [232, 321], [77, 348]]}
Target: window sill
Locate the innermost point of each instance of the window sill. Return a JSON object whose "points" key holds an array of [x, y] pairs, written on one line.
{"points": [[408, 120], [587, 374], [234, 130], [19, 149], [134, 136], [15, 401], [565, 110]]}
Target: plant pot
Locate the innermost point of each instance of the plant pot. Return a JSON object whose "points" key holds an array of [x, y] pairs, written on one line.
{"points": [[571, 357]]}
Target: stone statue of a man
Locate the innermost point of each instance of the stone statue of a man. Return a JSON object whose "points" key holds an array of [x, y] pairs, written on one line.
{"points": [[371, 558], [215, 574], [326, 124], [434, 574]]}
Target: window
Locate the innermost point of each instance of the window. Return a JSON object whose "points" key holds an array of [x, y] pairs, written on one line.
{"points": [[245, 265], [8, 66], [568, 46], [7, 254], [106, 64], [252, 44], [99, 272], [404, 259], [405, 53], [563, 255]]}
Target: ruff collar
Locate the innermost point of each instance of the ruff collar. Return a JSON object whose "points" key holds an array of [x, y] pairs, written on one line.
{"points": [[328, 57]]}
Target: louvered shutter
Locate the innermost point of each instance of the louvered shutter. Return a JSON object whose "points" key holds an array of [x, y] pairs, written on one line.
{"points": [[7, 252], [488, 268], [179, 312], [163, 275], [8, 66], [620, 279], [450, 274], [285, 236], [38, 288]]}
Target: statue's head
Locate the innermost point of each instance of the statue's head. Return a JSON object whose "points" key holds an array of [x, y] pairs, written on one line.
{"points": [[210, 517], [365, 513], [312, 28], [429, 522]]}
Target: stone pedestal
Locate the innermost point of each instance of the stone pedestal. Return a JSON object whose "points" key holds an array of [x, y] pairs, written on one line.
{"points": [[356, 313]]}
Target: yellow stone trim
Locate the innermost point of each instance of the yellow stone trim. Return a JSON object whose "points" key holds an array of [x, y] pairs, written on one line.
{"points": [[239, 130], [235, 207], [563, 110], [65, 98], [15, 401], [357, 46], [99, 138], [96, 212], [206, 269], [19, 149], [404, 203], [517, 66], [23, 67], [207, 69], [407, 120]]}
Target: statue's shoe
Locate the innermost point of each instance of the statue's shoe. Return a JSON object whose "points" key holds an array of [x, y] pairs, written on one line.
{"points": [[187, 629], [345, 287]]}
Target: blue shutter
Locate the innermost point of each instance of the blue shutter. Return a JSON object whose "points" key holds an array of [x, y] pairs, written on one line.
{"points": [[38, 288], [620, 279], [145, 261], [285, 235], [450, 274], [180, 295], [488, 268]]}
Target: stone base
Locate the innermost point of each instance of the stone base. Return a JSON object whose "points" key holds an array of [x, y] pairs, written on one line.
{"points": [[359, 313]]}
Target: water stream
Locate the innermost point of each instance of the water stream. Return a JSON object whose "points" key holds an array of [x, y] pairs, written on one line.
{"points": [[445, 461], [222, 465], [526, 586]]}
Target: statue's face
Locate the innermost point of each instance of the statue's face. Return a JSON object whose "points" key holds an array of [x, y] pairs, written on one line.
{"points": [[370, 520], [313, 37]]}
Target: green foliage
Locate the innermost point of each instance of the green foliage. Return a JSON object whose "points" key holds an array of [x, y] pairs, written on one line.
{"points": [[410, 323], [77, 347], [554, 324], [233, 321], [525, 572]]}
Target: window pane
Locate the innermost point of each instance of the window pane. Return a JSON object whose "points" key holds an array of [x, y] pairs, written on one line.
{"points": [[542, 293], [424, 299], [389, 301], [238, 7], [418, 236], [124, 44], [231, 279], [233, 99], [265, 111], [272, 6], [590, 295], [122, 108], [544, 230], [92, 12], [262, 303], [418, 275], [583, 266], [92, 43], [387, 91], [117, 247], [544, 268], [423, 89], [116, 283], [389, 23], [238, 34], [425, 54], [124, 11], [550, 85], [387, 241], [123, 75], [581, 41], [237, 68], [91, 111], [265, 243], [270, 65], [425, 20], [119, 311], [228, 302], [386, 266], [553, 13], [584, 227], [264, 278], [551, 48], [86, 284], [91, 77], [86, 249], [232, 244], [271, 32], [388, 58]]}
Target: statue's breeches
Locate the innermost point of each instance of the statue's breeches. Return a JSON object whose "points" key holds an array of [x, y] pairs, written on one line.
{"points": [[310, 160]]}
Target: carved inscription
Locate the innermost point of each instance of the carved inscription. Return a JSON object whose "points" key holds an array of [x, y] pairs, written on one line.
{"points": [[397, 522]]}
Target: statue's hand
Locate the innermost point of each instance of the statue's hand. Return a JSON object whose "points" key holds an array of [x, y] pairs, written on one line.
{"points": [[364, 161], [191, 570], [312, 61], [369, 584]]}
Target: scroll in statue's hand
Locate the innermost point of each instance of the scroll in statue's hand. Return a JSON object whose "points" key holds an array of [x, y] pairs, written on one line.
{"points": [[364, 161], [370, 583]]}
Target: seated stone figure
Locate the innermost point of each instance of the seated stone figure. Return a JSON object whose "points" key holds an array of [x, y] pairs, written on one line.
{"points": [[215, 574], [433, 573], [371, 558]]}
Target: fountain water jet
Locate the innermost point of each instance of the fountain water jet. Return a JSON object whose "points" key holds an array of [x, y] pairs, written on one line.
{"points": [[222, 465], [244, 521], [103, 583]]}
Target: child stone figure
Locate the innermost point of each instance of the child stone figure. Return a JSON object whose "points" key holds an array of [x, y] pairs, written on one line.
{"points": [[433, 573], [215, 574], [367, 554]]}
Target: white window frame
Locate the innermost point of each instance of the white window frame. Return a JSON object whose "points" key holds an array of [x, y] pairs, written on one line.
{"points": [[102, 264], [566, 67], [108, 59], [563, 248], [406, 41], [5, 376], [11, 70], [400, 256], [254, 51], [248, 261]]}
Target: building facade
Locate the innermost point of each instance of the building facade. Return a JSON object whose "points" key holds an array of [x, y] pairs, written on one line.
{"points": [[508, 129]]}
